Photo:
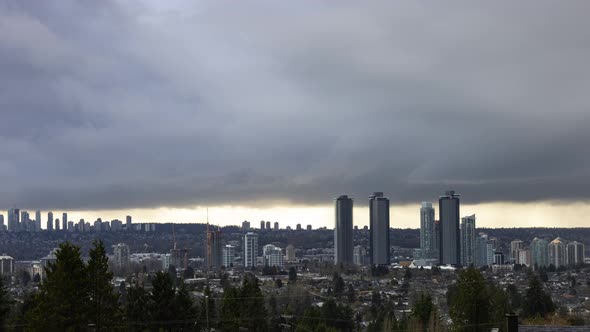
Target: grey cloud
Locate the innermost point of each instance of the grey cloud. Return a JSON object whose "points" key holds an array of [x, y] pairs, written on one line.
{"points": [[121, 104]]}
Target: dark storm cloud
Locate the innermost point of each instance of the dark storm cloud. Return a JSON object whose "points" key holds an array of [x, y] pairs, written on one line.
{"points": [[108, 104]]}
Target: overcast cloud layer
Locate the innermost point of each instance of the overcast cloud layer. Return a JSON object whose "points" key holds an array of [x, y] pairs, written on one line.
{"points": [[130, 104]]}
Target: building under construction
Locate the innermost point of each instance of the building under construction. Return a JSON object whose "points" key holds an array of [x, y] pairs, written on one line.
{"points": [[178, 257], [213, 250]]}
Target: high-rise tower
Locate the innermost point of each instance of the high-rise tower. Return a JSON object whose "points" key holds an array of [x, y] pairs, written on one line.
{"points": [[37, 220], [343, 231], [557, 255], [428, 234], [379, 229], [468, 240], [450, 236], [515, 246], [539, 253], [250, 249], [64, 221], [14, 220], [229, 252], [121, 256], [575, 253]]}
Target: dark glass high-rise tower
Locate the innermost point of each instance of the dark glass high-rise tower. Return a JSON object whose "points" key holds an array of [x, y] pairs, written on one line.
{"points": [[64, 221], [343, 231], [379, 229], [427, 231], [450, 235], [468, 240]]}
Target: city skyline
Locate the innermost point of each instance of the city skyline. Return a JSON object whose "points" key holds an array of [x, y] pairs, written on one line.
{"points": [[402, 216]]}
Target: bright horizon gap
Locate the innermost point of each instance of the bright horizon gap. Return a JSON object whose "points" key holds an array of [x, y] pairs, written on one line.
{"points": [[489, 215]]}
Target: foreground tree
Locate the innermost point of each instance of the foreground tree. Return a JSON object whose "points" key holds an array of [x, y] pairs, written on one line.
{"points": [[537, 302], [62, 301], [254, 315], [470, 308], [162, 298], [422, 312], [243, 308], [184, 308], [5, 303], [292, 275], [329, 317], [499, 304], [338, 284], [230, 310], [137, 308], [103, 303]]}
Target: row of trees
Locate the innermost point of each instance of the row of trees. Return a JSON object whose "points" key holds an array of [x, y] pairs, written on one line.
{"points": [[477, 304], [75, 296]]}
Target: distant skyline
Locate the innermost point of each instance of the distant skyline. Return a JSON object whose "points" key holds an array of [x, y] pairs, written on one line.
{"points": [[268, 110], [539, 214]]}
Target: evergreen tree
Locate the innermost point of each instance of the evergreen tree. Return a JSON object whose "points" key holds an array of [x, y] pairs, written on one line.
{"points": [[299, 299], [330, 317], [274, 318], [254, 314], [189, 273], [137, 308], [471, 306], [351, 294], [514, 297], [22, 311], [422, 311], [104, 303], [162, 298], [338, 283], [62, 301], [537, 301], [184, 308], [230, 310], [499, 304], [279, 283], [337, 316], [5, 303], [292, 275]]}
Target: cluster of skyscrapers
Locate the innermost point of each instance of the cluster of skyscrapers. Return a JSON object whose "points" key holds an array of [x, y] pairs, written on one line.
{"points": [[217, 255], [440, 240], [450, 239], [379, 253], [443, 241], [541, 253], [20, 221], [446, 240]]}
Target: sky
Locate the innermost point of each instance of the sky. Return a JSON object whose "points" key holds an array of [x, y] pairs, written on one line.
{"points": [[266, 110]]}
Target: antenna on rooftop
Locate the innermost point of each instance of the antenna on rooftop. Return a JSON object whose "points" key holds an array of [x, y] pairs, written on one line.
{"points": [[174, 236]]}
